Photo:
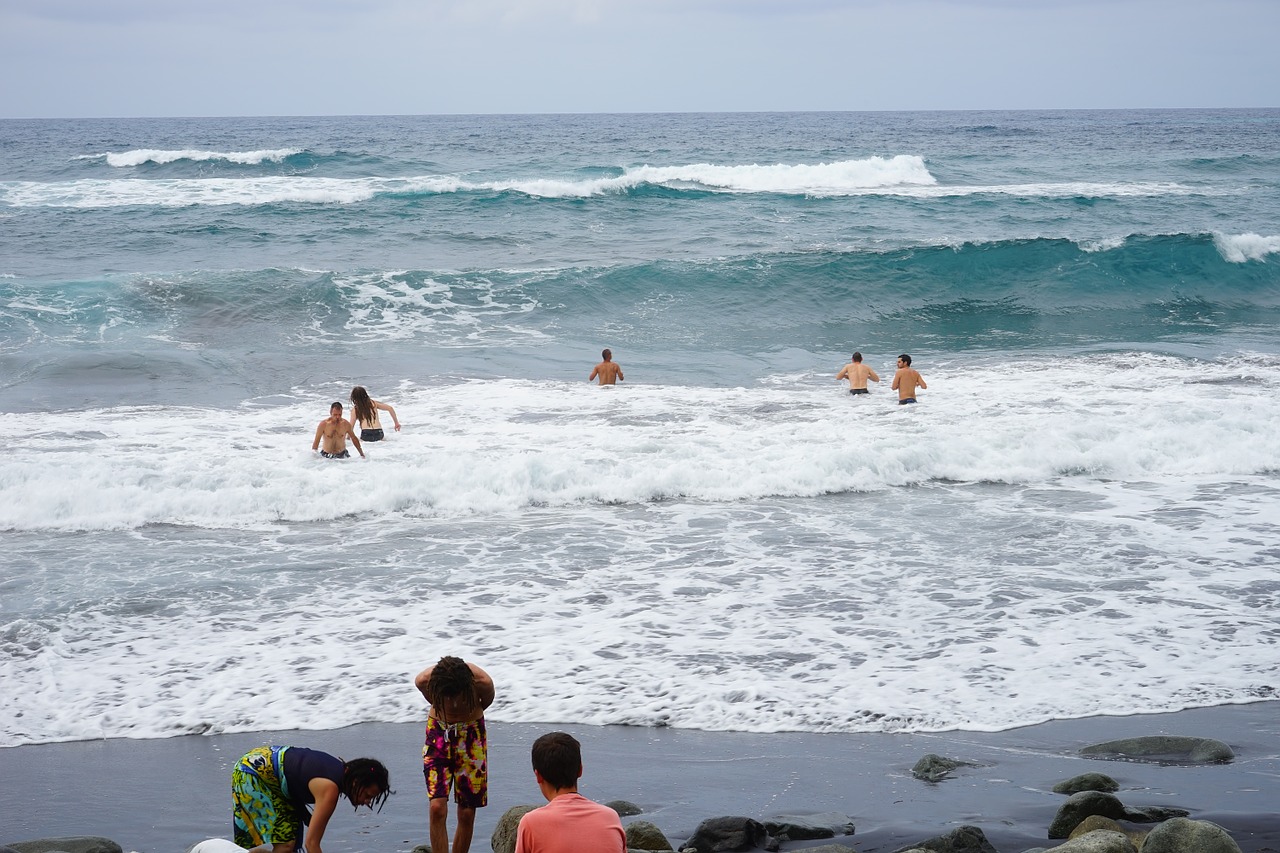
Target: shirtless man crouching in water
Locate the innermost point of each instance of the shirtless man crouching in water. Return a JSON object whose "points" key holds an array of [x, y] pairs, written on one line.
{"points": [[857, 373], [608, 370], [335, 431]]}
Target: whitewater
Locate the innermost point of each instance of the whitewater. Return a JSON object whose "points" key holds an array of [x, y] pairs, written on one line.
{"points": [[1078, 518]]}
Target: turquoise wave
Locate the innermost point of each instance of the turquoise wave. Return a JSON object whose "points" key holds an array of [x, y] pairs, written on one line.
{"points": [[1166, 281]]}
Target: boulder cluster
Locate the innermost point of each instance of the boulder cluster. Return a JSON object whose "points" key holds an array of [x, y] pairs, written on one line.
{"points": [[1092, 819]]}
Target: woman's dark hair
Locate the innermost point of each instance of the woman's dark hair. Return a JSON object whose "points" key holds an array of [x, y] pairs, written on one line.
{"points": [[363, 772], [451, 678], [362, 404]]}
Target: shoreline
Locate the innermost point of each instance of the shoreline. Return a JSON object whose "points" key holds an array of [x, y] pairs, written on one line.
{"points": [[162, 796]]}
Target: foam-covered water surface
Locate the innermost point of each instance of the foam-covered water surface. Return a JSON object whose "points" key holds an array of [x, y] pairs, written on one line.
{"points": [[1078, 518], [753, 559]]}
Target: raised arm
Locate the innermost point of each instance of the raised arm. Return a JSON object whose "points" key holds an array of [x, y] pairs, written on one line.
{"points": [[484, 686], [421, 681]]}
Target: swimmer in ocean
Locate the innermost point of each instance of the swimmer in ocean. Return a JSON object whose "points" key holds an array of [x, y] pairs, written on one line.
{"points": [[857, 373]]}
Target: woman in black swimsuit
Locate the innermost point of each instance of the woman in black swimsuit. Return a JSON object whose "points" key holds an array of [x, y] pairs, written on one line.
{"points": [[364, 411]]}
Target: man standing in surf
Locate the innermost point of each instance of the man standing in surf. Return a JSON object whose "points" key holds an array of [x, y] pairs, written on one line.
{"points": [[455, 754], [335, 431], [906, 380], [608, 370], [857, 373]]}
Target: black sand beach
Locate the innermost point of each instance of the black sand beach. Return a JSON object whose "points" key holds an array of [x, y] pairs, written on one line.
{"points": [[162, 796]]}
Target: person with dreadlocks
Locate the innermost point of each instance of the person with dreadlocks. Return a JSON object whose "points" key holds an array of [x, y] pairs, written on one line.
{"points": [[271, 787], [364, 411], [455, 754]]}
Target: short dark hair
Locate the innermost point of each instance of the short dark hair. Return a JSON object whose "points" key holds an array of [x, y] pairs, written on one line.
{"points": [[360, 773], [335, 405], [606, 354], [857, 356], [906, 358], [557, 757]]}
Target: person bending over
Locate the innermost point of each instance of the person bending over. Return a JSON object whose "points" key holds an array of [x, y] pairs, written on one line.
{"points": [[364, 412], [455, 754], [271, 787]]}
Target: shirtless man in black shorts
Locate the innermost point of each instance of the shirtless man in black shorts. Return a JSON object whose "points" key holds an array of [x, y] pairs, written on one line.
{"points": [[857, 373], [335, 431]]}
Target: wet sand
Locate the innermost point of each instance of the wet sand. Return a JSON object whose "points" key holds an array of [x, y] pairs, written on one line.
{"points": [[162, 796]]}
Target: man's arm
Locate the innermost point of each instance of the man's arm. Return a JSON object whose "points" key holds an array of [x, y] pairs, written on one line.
{"points": [[484, 686], [595, 371], [355, 439], [315, 445], [897, 376], [326, 794], [620, 376], [871, 374], [920, 380], [421, 681]]}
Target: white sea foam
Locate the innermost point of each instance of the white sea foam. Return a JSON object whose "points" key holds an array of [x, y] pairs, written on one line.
{"points": [[1238, 248], [130, 467], [138, 156], [1077, 536], [903, 176]]}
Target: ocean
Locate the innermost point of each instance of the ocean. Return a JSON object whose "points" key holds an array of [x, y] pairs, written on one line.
{"points": [[1080, 517]]}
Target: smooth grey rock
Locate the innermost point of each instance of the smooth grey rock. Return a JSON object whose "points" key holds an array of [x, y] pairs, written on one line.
{"points": [[1153, 814], [808, 827], [932, 768], [504, 834], [829, 848], [965, 839], [1180, 835], [624, 808], [1087, 782], [1198, 750], [643, 835], [1098, 841], [1082, 805], [68, 844], [718, 834], [1093, 823], [1086, 803]]}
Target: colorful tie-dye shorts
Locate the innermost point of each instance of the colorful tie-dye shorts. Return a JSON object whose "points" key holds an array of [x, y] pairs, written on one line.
{"points": [[456, 754]]}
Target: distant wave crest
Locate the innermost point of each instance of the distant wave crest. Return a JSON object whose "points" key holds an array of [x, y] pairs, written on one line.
{"points": [[138, 156]]}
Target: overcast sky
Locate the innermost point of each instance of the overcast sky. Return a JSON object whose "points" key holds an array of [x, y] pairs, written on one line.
{"points": [[79, 58]]}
